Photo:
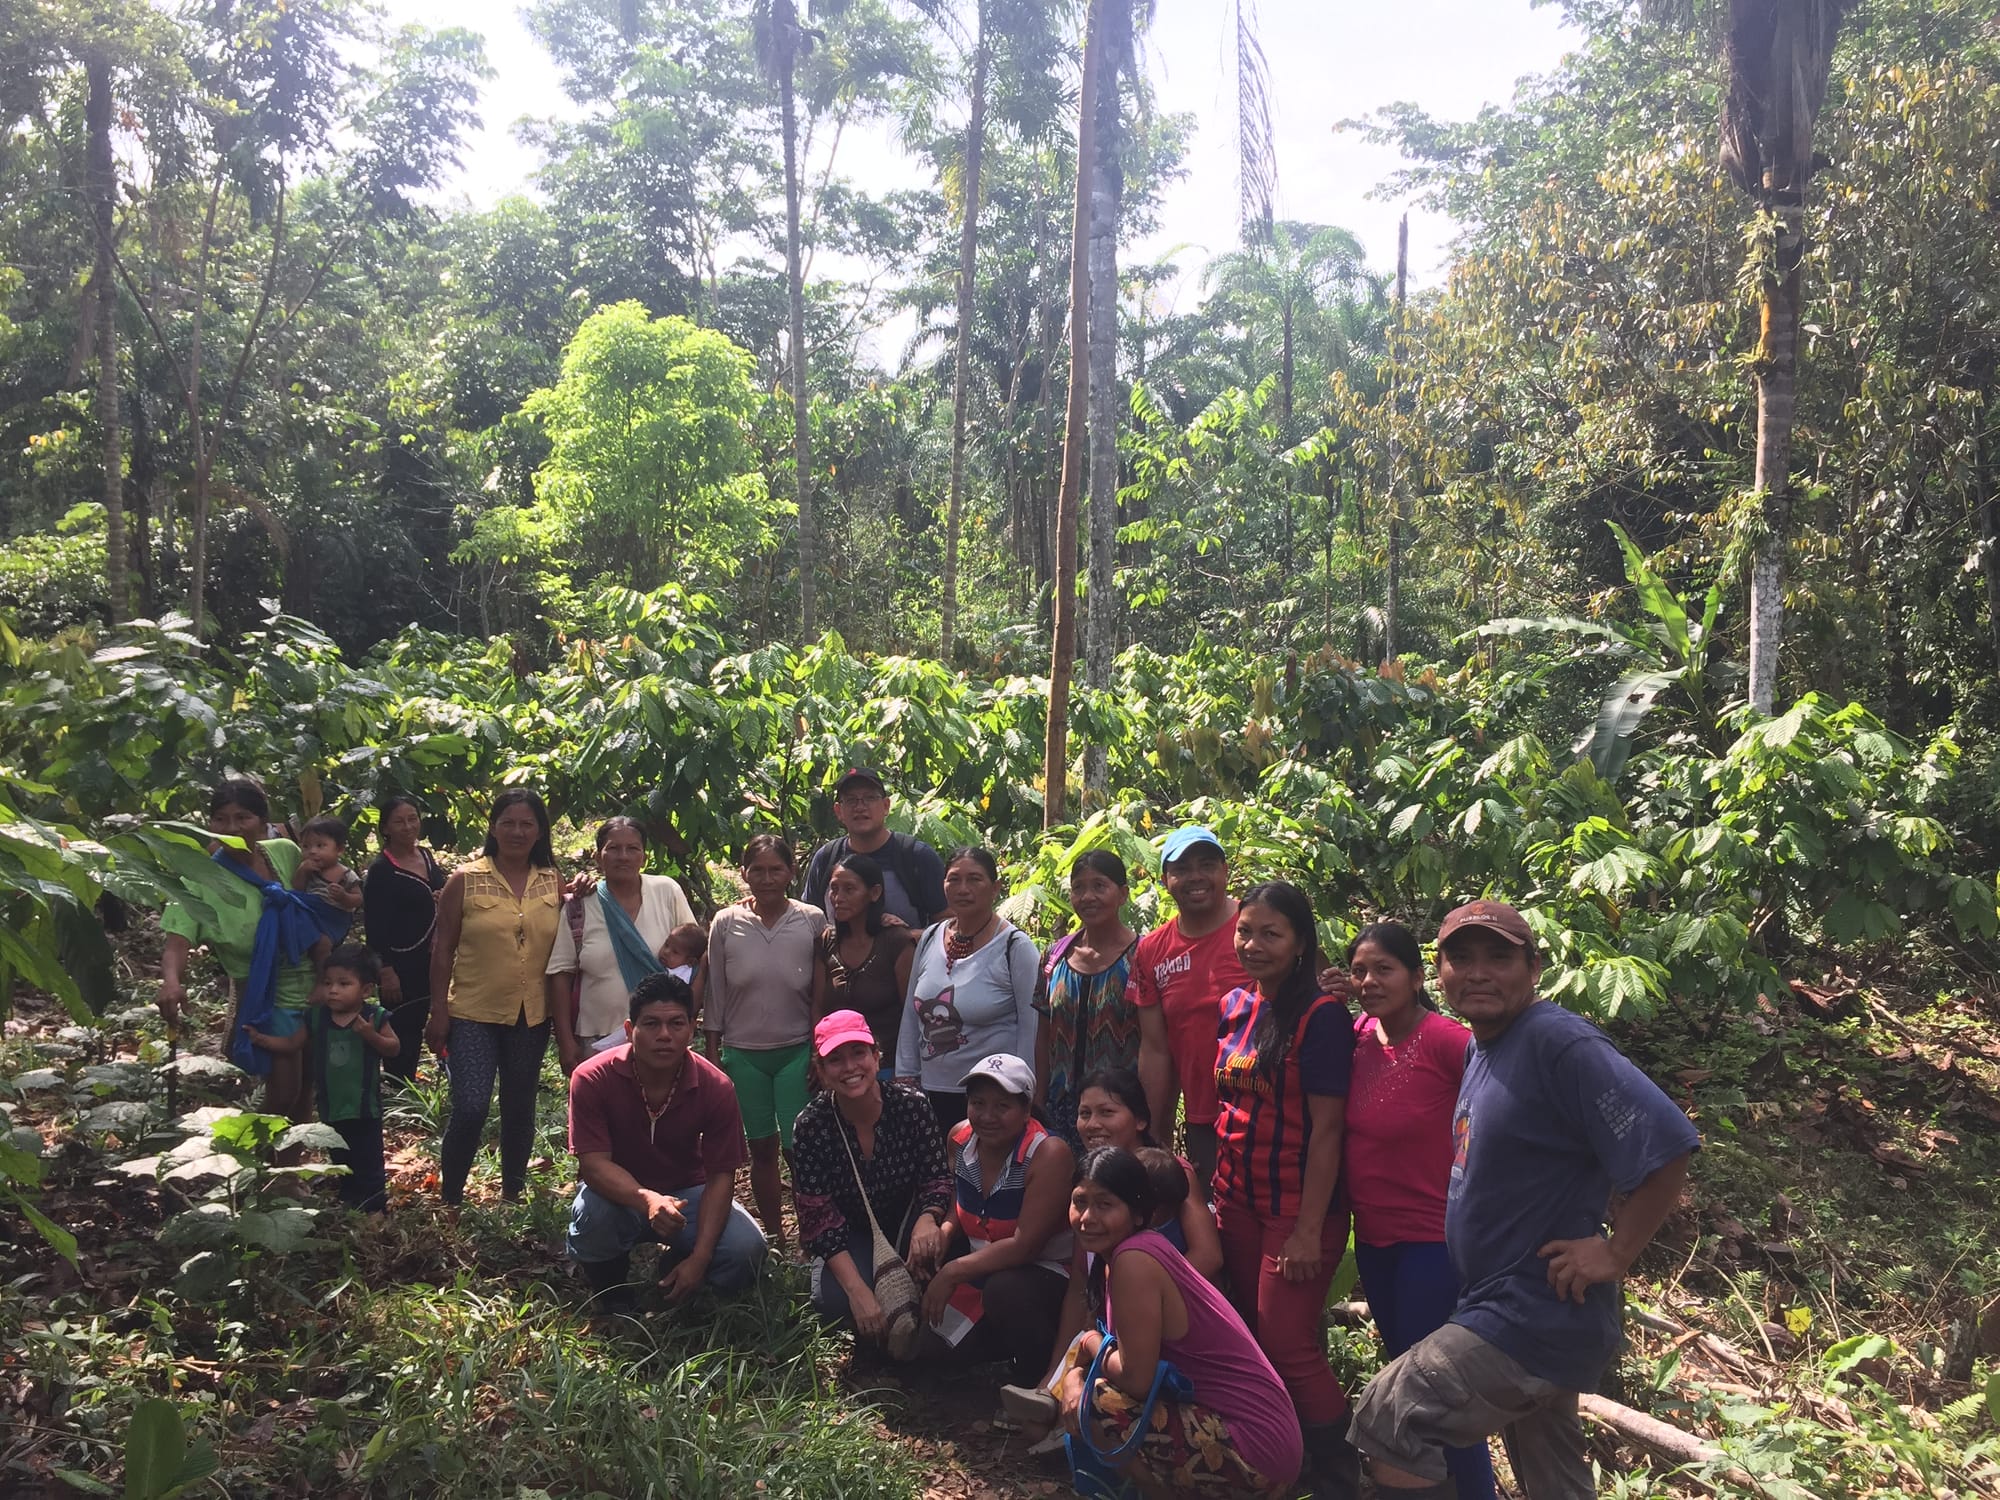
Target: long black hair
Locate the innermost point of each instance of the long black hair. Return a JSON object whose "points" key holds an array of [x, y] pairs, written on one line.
{"points": [[869, 873], [245, 792], [543, 855], [1278, 1018], [386, 809], [1124, 1177], [1123, 1085], [1396, 940]]}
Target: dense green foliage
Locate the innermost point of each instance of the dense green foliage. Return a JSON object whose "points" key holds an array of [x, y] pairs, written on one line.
{"points": [[1417, 600]]}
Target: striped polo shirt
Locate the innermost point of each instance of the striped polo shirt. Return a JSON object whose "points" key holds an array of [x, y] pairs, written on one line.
{"points": [[987, 1217], [1264, 1127]]}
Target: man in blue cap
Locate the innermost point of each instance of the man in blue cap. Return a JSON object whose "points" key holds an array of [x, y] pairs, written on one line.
{"points": [[1180, 973]]}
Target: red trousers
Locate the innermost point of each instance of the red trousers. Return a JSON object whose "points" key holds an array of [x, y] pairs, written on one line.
{"points": [[1285, 1317]]}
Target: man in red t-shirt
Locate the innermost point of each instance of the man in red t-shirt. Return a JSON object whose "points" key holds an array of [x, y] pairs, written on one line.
{"points": [[1180, 973], [658, 1137]]}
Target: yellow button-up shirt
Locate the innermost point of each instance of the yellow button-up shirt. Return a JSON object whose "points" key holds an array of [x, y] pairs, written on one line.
{"points": [[503, 946]]}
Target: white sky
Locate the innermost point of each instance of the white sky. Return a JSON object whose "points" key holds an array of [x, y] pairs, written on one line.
{"points": [[1330, 60]]}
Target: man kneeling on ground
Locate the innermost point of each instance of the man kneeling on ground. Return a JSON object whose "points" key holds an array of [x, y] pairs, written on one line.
{"points": [[658, 1138], [1551, 1121]]}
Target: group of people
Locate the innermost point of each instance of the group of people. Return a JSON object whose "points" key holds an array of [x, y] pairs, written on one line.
{"points": [[978, 1132]]}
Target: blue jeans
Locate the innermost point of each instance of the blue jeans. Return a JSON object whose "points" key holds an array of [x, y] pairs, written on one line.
{"points": [[600, 1230], [1412, 1290], [829, 1297]]}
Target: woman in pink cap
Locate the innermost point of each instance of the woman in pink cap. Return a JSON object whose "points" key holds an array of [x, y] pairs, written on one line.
{"points": [[864, 1135]]}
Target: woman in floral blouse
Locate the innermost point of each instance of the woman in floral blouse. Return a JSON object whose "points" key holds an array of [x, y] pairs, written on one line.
{"points": [[887, 1134]]}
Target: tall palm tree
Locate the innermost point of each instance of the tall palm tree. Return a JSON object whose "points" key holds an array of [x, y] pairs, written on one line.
{"points": [[101, 183], [1777, 54], [1286, 278], [1107, 190], [780, 41], [968, 254], [1062, 653]]}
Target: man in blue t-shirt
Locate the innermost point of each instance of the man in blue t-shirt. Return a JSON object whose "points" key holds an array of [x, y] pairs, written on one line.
{"points": [[1551, 1122], [912, 873]]}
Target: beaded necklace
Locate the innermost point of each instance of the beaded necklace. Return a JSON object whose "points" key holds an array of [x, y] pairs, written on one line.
{"points": [[957, 946]]}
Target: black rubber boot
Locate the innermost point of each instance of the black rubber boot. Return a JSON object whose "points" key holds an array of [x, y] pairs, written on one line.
{"points": [[1333, 1465], [610, 1284], [1444, 1489]]}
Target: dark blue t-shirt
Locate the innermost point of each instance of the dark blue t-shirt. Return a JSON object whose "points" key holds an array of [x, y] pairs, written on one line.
{"points": [[1551, 1120]]}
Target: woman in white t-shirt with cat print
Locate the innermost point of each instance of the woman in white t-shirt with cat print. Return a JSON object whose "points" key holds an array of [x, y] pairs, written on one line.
{"points": [[972, 988]]}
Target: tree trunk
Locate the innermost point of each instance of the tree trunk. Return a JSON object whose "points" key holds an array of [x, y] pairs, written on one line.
{"points": [[1392, 593], [1988, 505], [1285, 373], [1101, 621], [788, 24], [1777, 394], [968, 255], [100, 173], [1062, 653]]}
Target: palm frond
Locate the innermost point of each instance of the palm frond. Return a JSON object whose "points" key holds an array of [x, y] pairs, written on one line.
{"points": [[1256, 148]]}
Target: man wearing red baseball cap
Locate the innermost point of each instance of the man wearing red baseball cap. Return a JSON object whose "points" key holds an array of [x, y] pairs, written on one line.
{"points": [[1551, 1121]]}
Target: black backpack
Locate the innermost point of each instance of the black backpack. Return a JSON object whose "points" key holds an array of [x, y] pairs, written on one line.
{"points": [[899, 854]]}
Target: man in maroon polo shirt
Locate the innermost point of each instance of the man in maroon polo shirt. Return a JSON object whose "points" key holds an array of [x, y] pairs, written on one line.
{"points": [[658, 1138]]}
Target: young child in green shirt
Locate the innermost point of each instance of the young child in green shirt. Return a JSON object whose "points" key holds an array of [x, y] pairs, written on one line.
{"points": [[346, 1036]]}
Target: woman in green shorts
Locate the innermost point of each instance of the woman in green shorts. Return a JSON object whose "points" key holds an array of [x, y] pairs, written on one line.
{"points": [[225, 918], [760, 989]]}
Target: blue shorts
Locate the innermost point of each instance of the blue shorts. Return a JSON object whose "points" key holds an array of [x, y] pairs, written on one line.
{"points": [[284, 1022]]}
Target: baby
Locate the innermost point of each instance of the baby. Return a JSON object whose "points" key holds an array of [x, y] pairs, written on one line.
{"points": [[683, 950], [320, 872], [1170, 1184]]}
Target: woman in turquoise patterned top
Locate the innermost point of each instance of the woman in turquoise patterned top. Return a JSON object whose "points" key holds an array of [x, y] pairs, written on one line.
{"points": [[1088, 1019]]}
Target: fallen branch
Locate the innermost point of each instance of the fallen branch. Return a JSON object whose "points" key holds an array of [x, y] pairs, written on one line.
{"points": [[1664, 1440]]}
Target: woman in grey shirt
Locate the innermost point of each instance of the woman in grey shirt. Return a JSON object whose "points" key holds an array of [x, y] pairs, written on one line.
{"points": [[972, 988], [760, 988]]}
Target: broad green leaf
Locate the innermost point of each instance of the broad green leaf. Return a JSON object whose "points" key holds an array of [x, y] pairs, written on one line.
{"points": [[155, 1446]]}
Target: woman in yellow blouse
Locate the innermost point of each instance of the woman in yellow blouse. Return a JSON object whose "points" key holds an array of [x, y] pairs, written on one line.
{"points": [[496, 923]]}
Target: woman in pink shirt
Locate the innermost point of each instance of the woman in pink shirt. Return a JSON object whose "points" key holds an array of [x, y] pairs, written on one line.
{"points": [[1230, 1431], [1408, 1061]]}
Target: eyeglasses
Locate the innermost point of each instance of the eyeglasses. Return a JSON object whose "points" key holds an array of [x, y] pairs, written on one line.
{"points": [[860, 799]]}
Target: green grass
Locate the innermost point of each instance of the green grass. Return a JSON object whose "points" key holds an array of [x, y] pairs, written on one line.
{"points": [[416, 1356], [410, 1356]]}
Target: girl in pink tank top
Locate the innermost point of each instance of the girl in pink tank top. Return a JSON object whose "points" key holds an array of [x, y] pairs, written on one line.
{"points": [[1237, 1434]]}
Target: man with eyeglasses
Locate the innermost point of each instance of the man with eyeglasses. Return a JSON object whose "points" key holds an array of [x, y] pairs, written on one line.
{"points": [[912, 873]]}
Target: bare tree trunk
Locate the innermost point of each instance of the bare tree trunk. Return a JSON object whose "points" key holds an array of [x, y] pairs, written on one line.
{"points": [[788, 22], [1101, 621], [100, 172], [968, 255], [1392, 594], [1062, 654], [143, 471], [1777, 395], [1988, 504], [1045, 436], [1286, 370]]}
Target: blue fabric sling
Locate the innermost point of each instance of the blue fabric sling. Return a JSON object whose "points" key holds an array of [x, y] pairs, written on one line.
{"points": [[290, 924], [1094, 1472], [635, 959]]}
